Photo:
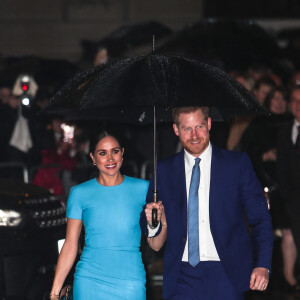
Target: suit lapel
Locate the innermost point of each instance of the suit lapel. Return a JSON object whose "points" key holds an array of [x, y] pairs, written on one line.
{"points": [[179, 187], [216, 176]]}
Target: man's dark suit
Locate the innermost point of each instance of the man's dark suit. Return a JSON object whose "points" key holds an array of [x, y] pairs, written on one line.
{"points": [[288, 167], [235, 193]]}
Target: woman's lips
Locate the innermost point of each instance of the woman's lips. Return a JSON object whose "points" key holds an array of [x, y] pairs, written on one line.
{"points": [[110, 166]]}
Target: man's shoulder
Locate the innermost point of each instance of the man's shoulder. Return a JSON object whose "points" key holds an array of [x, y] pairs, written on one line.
{"points": [[171, 159], [228, 154]]}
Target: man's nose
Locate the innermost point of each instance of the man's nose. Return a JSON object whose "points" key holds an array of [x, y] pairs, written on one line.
{"points": [[194, 133]]}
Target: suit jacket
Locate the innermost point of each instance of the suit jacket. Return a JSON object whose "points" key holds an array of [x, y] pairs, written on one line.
{"points": [[235, 192], [288, 166]]}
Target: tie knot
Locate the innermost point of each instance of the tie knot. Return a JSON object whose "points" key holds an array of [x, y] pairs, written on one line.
{"points": [[197, 161]]}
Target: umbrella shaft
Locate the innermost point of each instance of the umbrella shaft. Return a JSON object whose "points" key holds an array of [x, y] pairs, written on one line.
{"points": [[154, 152]]}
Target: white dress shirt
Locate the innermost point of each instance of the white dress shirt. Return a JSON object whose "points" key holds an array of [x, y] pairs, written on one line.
{"points": [[295, 131], [207, 248]]}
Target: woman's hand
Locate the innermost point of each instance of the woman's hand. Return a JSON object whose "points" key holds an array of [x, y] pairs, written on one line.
{"points": [[161, 217]]}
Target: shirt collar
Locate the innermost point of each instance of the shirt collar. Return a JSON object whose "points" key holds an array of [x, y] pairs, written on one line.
{"points": [[190, 159], [296, 123]]}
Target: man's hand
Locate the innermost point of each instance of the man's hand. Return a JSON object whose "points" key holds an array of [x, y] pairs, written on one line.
{"points": [[259, 279], [160, 213]]}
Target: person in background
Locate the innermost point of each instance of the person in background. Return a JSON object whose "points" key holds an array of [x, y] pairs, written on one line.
{"points": [[260, 138], [108, 207], [288, 174], [56, 156], [262, 87], [239, 124]]}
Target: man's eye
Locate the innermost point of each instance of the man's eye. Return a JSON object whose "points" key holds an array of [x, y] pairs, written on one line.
{"points": [[187, 129]]}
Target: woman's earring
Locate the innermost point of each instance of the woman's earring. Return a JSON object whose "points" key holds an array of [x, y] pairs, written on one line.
{"points": [[94, 163]]}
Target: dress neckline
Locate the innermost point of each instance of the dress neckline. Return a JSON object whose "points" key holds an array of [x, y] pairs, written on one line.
{"points": [[110, 186]]}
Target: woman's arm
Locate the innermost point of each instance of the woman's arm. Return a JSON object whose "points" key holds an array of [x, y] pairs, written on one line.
{"points": [[158, 241], [67, 256]]}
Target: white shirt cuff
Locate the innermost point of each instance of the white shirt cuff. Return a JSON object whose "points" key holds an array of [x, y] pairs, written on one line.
{"points": [[152, 231]]}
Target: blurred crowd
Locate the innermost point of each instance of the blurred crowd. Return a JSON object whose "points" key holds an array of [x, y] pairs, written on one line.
{"points": [[55, 150]]}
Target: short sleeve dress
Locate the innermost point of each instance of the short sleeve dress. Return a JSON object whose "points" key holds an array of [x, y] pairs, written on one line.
{"points": [[110, 266]]}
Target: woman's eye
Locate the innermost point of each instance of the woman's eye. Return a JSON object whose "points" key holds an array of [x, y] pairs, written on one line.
{"points": [[102, 153], [115, 151]]}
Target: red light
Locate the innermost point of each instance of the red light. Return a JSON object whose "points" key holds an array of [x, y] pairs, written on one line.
{"points": [[24, 87]]}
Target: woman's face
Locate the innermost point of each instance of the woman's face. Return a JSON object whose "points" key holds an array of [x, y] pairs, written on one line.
{"points": [[278, 104], [108, 156]]}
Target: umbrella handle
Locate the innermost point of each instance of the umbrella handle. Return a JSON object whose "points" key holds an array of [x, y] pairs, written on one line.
{"points": [[154, 217], [154, 210]]}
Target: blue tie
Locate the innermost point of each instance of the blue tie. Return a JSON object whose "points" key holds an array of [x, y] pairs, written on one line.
{"points": [[193, 221]]}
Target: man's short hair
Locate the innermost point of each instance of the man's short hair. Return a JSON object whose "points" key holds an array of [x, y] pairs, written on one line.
{"points": [[291, 90], [188, 109]]}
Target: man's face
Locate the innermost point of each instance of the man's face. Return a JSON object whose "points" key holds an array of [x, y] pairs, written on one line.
{"points": [[295, 104], [193, 132], [262, 92]]}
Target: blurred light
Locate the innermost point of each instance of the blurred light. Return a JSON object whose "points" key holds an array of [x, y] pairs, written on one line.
{"points": [[68, 132], [24, 87], [10, 218], [266, 189], [26, 101]]}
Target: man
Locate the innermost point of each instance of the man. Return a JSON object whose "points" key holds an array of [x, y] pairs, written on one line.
{"points": [[288, 174], [209, 253]]}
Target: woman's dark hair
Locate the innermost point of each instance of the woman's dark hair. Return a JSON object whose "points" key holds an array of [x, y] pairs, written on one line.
{"points": [[98, 137], [271, 94]]}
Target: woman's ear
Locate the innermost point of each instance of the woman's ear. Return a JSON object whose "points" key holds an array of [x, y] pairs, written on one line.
{"points": [[92, 157]]}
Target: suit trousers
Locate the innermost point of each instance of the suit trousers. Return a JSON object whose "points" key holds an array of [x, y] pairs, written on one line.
{"points": [[207, 280]]}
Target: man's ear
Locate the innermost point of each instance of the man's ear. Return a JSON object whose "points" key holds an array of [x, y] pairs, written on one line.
{"points": [[209, 123], [175, 128]]}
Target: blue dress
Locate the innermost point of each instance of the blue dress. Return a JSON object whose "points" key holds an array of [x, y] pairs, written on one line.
{"points": [[110, 266]]}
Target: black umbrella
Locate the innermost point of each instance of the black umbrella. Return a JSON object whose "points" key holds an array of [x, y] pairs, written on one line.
{"points": [[139, 89]]}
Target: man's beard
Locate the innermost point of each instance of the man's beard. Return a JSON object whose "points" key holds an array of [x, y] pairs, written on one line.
{"points": [[196, 149]]}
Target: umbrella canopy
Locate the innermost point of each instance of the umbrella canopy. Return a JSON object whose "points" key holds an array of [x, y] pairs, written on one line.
{"points": [[126, 90]]}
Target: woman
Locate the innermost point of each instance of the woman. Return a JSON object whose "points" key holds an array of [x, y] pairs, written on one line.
{"points": [[109, 206]]}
